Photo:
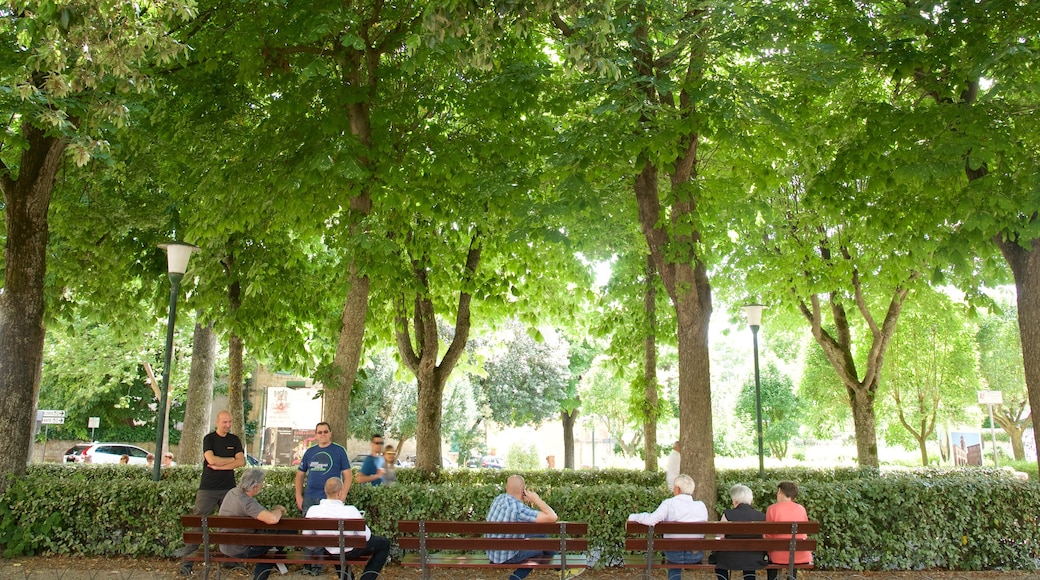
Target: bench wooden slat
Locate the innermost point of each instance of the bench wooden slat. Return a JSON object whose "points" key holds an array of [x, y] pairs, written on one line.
{"points": [[286, 524], [274, 558], [544, 544], [753, 528], [475, 561], [725, 545], [478, 528], [639, 561]]}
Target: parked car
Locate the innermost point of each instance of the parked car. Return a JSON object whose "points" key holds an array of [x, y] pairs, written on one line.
{"points": [[252, 461], [106, 453], [358, 460], [492, 462]]}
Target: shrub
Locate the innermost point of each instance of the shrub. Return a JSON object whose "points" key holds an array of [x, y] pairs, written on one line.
{"points": [[962, 519]]}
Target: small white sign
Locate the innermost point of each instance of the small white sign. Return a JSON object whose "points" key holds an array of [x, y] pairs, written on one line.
{"points": [[991, 397], [93, 422], [44, 413]]}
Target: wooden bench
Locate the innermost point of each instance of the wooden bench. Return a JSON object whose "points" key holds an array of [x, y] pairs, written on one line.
{"points": [[649, 540], [210, 531], [444, 544]]}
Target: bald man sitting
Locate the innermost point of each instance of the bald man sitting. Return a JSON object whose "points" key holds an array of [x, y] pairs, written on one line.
{"points": [[333, 507], [512, 506]]}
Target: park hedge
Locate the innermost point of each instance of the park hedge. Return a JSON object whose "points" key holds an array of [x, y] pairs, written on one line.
{"points": [[924, 519]]}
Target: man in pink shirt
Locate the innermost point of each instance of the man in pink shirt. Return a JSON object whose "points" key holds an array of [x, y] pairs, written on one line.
{"points": [[786, 510]]}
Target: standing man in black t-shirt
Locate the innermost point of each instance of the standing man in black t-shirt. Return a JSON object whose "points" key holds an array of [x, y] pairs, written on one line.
{"points": [[223, 452]]}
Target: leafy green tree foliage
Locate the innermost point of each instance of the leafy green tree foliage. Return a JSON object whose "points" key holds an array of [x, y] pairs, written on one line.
{"points": [[606, 399], [781, 410], [381, 403], [527, 381], [826, 411], [1000, 365], [580, 356], [932, 370], [72, 67]]}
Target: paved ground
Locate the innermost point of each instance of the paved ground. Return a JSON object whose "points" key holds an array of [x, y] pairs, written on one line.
{"points": [[74, 568]]}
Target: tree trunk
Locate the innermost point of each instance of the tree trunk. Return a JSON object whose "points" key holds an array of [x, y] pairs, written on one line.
{"points": [[650, 369], [236, 384], [686, 280], [26, 202], [1025, 266], [1014, 429], [347, 358], [199, 400], [864, 422], [569, 420], [421, 357]]}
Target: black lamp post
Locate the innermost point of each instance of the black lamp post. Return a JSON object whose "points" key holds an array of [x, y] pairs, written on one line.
{"points": [[754, 318], [177, 254]]}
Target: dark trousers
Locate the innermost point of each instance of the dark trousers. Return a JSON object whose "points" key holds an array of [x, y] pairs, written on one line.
{"points": [[207, 501]]}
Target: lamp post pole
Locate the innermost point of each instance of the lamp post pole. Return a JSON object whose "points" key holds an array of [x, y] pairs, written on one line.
{"points": [[754, 316], [177, 259]]}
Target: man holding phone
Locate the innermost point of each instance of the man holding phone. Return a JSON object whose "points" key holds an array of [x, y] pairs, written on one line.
{"points": [[512, 506]]}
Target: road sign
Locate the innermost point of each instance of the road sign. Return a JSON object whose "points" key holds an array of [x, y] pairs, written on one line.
{"points": [[93, 422], [51, 417], [991, 398]]}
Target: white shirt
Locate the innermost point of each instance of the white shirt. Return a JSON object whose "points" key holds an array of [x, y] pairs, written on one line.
{"points": [[679, 508], [334, 509], [672, 471]]}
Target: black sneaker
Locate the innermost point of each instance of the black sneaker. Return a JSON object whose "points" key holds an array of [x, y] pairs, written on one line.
{"points": [[186, 569]]}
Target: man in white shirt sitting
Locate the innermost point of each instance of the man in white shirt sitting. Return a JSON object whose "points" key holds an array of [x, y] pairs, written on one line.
{"points": [[681, 507], [333, 508]]}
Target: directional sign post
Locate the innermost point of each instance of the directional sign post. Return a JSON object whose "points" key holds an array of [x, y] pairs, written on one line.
{"points": [[48, 417], [93, 423], [992, 398]]}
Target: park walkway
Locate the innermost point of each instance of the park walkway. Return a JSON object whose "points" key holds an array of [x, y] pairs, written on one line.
{"points": [[75, 568]]}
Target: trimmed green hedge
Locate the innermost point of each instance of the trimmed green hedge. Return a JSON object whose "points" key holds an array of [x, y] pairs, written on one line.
{"points": [[955, 519]]}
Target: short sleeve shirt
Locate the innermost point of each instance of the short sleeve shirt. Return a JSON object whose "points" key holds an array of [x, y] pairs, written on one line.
{"points": [[507, 508], [320, 464], [371, 467], [238, 503], [226, 446]]}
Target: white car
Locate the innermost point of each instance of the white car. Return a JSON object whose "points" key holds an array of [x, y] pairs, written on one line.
{"points": [[106, 453]]}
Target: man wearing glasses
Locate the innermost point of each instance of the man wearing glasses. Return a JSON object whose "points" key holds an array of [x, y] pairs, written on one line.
{"points": [[320, 462], [374, 468]]}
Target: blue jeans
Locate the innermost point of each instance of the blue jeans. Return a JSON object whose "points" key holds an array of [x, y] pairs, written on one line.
{"points": [[681, 558], [525, 555], [260, 571]]}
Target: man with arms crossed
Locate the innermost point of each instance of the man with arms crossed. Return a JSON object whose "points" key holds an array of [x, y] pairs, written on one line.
{"points": [[241, 501], [222, 452], [334, 507]]}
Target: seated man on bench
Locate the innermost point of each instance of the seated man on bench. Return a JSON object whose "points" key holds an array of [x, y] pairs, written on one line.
{"points": [[511, 507], [334, 507], [241, 501], [681, 507]]}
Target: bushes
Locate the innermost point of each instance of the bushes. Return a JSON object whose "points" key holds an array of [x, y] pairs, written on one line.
{"points": [[957, 519]]}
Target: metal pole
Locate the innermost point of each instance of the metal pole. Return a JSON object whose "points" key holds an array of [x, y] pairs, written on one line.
{"points": [[758, 407], [993, 435], [160, 420]]}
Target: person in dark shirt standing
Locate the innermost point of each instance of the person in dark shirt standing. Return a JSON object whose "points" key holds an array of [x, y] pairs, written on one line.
{"points": [[222, 452]]}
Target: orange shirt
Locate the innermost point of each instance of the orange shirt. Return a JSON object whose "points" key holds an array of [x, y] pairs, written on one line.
{"points": [[787, 511]]}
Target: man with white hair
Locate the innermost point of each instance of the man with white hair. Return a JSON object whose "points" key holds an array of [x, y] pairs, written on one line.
{"points": [[241, 501], [681, 507], [742, 511]]}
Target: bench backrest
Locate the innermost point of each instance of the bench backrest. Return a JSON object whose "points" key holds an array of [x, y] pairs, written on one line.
{"points": [[458, 535], [738, 536], [245, 531]]}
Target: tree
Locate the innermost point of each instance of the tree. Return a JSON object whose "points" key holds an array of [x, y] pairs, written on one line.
{"points": [[1000, 365], [527, 380], [73, 66], [781, 416], [605, 400], [932, 369]]}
